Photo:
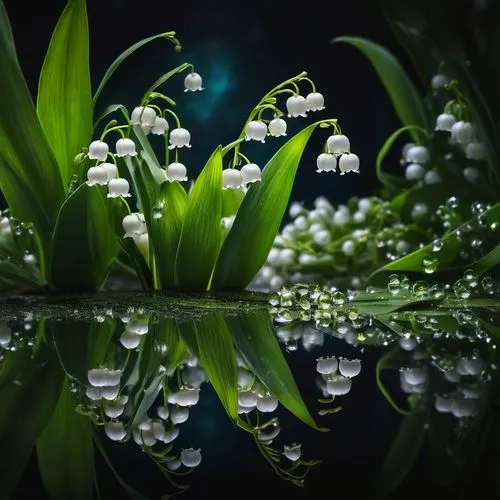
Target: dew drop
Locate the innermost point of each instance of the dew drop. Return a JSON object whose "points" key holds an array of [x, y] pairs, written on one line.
{"points": [[430, 265], [437, 245]]}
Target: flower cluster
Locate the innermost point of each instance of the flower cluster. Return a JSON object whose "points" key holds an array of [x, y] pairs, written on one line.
{"points": [[336, 374]]}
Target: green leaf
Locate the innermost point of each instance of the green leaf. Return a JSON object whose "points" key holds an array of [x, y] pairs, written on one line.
{"points": [[85, 244], [29, 176], [217, 356], [201, 232], [166, 230], [256, 341], [402, 93], [65, 451], [257, 222], [124, 55], [64, 101], [231, 201], [30, 386], [403, 454]]}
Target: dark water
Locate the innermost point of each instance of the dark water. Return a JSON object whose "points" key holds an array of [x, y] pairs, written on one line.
{"points": [[429, 426]]}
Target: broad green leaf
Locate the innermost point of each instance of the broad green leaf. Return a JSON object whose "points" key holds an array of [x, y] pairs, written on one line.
{"points": [[18, 274], [402, 93], [403, 454], [64, 101], [30, 386], [165, 231], [166, 332], [124, 55], [201, 232], [217, 356], [256, 341], [29, 176], [231, 201], [65, 451], [257, 222], [85, 244]]}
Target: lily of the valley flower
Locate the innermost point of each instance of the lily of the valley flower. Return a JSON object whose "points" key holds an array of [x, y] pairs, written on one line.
{"points": [[315, 101], [414, 172], [462, 132], [103, 377], [177, 172], [160, 126], [191, 457], [192, 82], [250, 173], [348, 163], [326, 163], [338, 386], [349, 367], [134, 225], [179, 415], [98, 150], [130, 340], [445, 121], [338, 144], [267, 404], [179, 138], [115, 431], [418, 154], [296, 106], [143, 116], [327, 365], [125, 147], [256, 130], [5, 226], [277, 127], [475, 151], [231, 178], [97, 176], [292, 452], [118, 187], [439, 81], [111, 170]]}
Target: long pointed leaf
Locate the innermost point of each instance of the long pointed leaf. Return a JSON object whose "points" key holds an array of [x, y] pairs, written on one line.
{"points": [[257, 222], [64, 101], [201, 232]]}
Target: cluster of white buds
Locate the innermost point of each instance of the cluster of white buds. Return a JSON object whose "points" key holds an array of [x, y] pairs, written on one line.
{"points": [[149, 121], [416, 158], [298, 105], [104, 384], [233, 178], [135, 328], [339, 151], [338, 384]]}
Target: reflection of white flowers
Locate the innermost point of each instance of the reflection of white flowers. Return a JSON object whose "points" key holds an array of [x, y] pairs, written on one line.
{"points": [[115, 431], [267, 404], [292, 452], [178, 415], [191, 457], [338, 386], [327, 365], [103, 377], [349, 367]]}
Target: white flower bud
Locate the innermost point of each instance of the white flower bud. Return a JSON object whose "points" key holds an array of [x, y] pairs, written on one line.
{"points": [[143, 116], [97, 176], [338, 386], [419, 209], [144, 437], [248, 399], [276, 282], [118, 187], [293, 452], [349, 367], [170, 435], [407, 148], [462, 132], [176, 172], [341, 218], [418, 154], [5, 227], [250, 173], [326, 163], [245, 378], [414, 172], [439, 81], [471, 174], [296, 106], [327, 365], [348, 248], [231, 178], [323, 237], [227, 222], [93, 393], [162, 412], [111, 170], [179, 138], [115, 431], [192, 82], [113, 409], [173, 465], [130, 340], [432, 177], [359, 217], [475, 151], [338, 144], [402, 247], [348, 163], [267, 404], [98, 150], [256, 130], [187, 397], [110, 392], [179, 415], [315, 102], [125, 147], [133, 225], [160, 126], [445, 121], [191, 457], [296, 208], [415, 376], [277, 127]]}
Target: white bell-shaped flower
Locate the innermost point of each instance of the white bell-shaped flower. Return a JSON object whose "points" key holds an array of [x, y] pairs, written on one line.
{"points": [[349, 367], [231, 178], [193, 82], [349, 247], [98, 150], [470, 366], [179, 415], [118, 187], [170, 435], [134, 225], [144, 437], [130, 340], [338, 386], [177, 172], [472, 174], [326, 163], [296, 106], [248, 399], [194, 376], [432, 177], [315, 102], [179, 138], [138, 326], [475, 151], [250, 173], [338, 144], [160, 126], [187, 397], [451, 376], [415, 376], [245, 378], [143, 116], [408, 343], [445, 121], [268, 433], [292, 452], [97, 176], [111, 170], [101, 377], [443, 405], [113, 409], [115, 431], [277, 127], [414, 172], [348, 163], [462, 132], [174, 465], [418, 154], [463, 408], [158, 428], [256, 130], [125, 147], [419, 209], [405, 150], [267, 404], [327, 365], [93, 393], [438, 81], [110, 392], [191, 457], [323, 237], [162, 412], [5, 226]]}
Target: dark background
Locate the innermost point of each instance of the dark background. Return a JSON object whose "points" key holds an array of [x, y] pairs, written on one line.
{"points": [[241, 49]]}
